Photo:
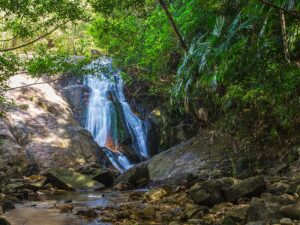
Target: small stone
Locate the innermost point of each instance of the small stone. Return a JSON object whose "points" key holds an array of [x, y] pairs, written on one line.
{"points": [[191, 210], [123, 215], [174, 223], [239, 213], [286, 221], [158, 193], [291, 211], [257, 223], [86, 212], [195, 221], [148, 213], [250, 187], [123, 186], [163, 216], [207, 193], [65, 208]]}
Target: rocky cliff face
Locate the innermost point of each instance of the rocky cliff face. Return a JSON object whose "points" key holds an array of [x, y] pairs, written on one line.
{"points": [[39, 131]]}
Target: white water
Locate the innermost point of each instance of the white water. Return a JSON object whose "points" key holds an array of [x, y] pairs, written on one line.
{"points": [[106, 89]]}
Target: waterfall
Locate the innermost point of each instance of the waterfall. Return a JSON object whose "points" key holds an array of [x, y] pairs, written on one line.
{"points": [[103, 117]]}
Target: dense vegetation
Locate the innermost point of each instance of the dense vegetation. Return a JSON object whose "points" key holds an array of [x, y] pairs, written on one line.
{"points": [[233, 63]]}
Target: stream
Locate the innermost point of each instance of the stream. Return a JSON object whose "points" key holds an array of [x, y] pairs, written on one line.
{"points": [[46, 212]]}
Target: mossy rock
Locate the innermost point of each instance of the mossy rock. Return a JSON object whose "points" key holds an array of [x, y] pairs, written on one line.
{"points": [[70, 180]]}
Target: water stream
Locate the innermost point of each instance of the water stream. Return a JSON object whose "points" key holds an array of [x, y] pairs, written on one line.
{"points": [[45, 212], [109, 116]]}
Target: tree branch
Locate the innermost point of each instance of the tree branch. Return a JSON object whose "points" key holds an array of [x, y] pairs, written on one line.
{"points": [[291, 13], [33, 41], [10, 39], [175, 28]]}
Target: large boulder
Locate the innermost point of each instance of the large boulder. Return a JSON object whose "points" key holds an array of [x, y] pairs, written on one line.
{"points": [[202, 156], [70, 180], [250, 187], [40, 131], [137, 176], [14, 161]]}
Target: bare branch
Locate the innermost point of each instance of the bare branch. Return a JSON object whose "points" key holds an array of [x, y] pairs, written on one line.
{"points": [[35, 40]]}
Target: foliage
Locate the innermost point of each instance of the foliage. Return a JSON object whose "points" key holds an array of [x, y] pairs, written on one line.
{"points": [[235, 66], [235, 69], [51, 63]]}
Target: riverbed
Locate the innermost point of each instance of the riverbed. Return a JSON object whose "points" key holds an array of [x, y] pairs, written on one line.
{"points": [[46, 211]]}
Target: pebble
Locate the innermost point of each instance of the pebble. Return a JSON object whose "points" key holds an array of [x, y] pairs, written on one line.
{"points": [[286, 221]]}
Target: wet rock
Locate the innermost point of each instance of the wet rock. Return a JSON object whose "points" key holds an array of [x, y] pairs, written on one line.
{"points": [[207, 193], [70, 180], [135, 196], [65, 208], [105, 177], [157, 194], [250, 187], [137, 176], [123, 215], [123, 186], [4, 221], [291, 211], [86, 212]]}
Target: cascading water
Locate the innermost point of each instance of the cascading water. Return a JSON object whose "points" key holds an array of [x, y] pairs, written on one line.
{"points": [[107, 101]]}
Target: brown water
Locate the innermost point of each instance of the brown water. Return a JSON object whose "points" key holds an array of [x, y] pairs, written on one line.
{"points": [[44, 212]]}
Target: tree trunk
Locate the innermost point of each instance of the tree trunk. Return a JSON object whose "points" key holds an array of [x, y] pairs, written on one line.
{"points": [[174, 26], [284, 36]]}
